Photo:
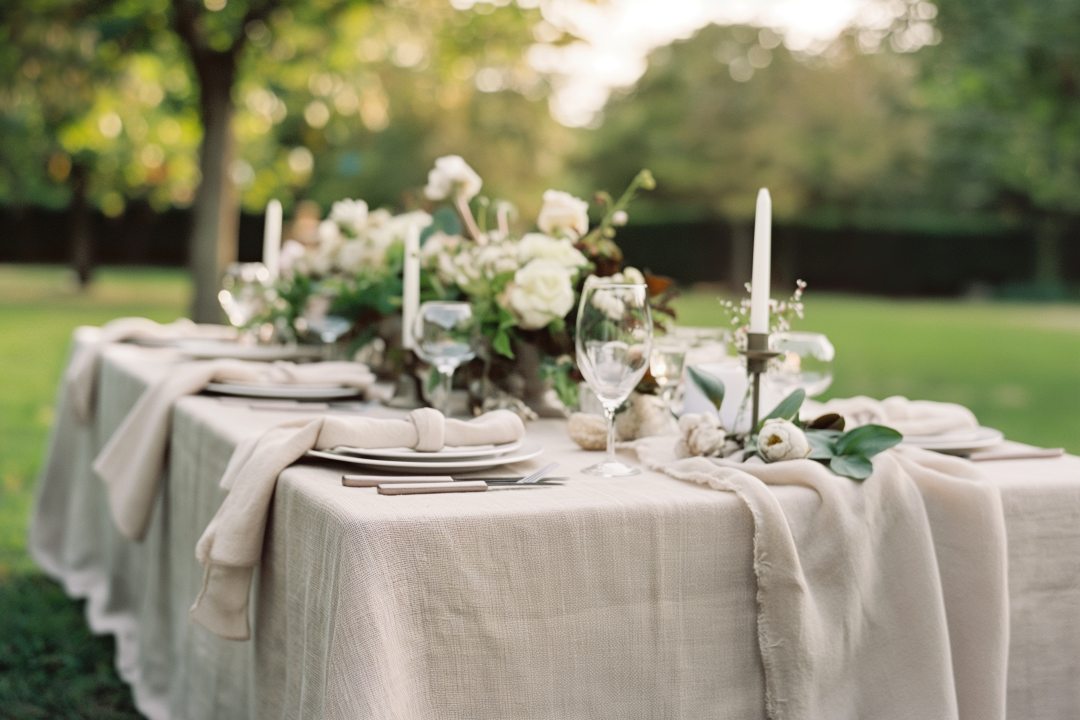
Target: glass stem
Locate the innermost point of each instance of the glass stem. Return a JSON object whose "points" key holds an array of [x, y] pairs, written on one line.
{"points": [[447, 382], [610, 414]]}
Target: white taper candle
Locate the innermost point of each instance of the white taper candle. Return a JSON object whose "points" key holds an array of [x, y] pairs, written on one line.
{"points": [[759, 278], [272, 239], [410, 296]]}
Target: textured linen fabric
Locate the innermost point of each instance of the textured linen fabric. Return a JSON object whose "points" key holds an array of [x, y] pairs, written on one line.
{"points": [[867, 606], [605, 598], [130, 463], [231, 544], [908, 417], [82, 371]]}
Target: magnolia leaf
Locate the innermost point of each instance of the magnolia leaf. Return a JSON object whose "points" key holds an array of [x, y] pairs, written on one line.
{"points": [[788, 408], [822, 445], [856, 467], [867, 440], [829, 421], [711, 386]]}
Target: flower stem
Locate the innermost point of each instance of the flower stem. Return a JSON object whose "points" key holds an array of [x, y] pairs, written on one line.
{"points": [[462, 206]]}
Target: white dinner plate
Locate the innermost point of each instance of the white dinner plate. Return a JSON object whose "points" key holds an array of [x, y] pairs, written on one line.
{"points": [[529, 449], [960, 443], [447, 453], [211, 349], [284, 391]]}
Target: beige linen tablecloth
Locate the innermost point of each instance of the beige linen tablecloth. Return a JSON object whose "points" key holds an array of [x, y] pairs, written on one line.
{"points": [[629, 598]]}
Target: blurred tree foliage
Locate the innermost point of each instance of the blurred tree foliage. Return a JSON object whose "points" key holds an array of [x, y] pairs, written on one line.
{"points": [[1004, 90]]}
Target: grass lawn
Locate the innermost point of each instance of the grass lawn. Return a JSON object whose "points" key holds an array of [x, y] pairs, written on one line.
{"points": [[1017, 366]]}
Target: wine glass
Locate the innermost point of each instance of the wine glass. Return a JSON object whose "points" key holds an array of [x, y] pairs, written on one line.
{"points": [[443, 336], [666, 365], [245, 293], [318, 320], [805, 362], [614, 336]]}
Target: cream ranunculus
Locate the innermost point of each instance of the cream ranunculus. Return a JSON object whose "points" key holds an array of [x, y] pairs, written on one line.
{"points": [[449, 171], [541, 292], [562, 251], [701, 435], [563, 213], [351, 215], [781, 440]]}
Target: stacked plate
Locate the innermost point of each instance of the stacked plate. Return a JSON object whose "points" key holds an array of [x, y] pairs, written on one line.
{"points": [[448, 460], [285, 391], [961, 442]]}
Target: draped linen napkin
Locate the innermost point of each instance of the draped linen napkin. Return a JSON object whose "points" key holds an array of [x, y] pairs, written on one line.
{"points": [[888, 599], [908, 417], [131, 462], [81, 375], [231, 545]]}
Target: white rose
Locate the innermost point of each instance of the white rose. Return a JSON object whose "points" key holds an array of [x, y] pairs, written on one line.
{"points": [[291, 258], [350, 214], [449, 171], [351, 256], [701, 435], [380, 217], [562, 251], [781, 440], [633, 276], [562, 212], [541, 292]]}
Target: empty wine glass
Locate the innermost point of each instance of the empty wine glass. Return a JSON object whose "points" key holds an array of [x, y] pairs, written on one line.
{"points": [[614, 336], [318, 320], [245, 294], [666, 365], [805, 362], [443, 337]]}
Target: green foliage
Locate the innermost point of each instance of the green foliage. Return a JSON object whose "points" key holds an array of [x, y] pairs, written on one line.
{"points": [[788, 409], [710, 386]]}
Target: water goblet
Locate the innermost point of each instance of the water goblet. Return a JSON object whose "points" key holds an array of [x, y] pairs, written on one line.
{"points": [[614, 337], [805, 362], [443, 336], [666, 365], [318, 321], [246, 291]]}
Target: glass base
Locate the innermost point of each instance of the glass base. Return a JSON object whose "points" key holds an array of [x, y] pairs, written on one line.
{"points": [[611, 469]]}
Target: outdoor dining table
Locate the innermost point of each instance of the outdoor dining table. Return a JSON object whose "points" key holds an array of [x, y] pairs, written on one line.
{"points": [[602, 598]]}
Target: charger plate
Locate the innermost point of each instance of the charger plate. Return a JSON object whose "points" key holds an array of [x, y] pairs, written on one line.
{"points": [[447, 453], [529, 449]]}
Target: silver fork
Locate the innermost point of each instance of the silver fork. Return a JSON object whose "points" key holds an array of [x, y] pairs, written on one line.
{"points": [[536, 476]]}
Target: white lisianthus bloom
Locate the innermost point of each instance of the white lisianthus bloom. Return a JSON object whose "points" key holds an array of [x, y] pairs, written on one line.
{"points": [[380, 217], [352, 255], [781, 440], [292, 258], [701, 435], [437, 254], [563, 213], [541, 292], [449, 171], [350, 215], [562, 251]]}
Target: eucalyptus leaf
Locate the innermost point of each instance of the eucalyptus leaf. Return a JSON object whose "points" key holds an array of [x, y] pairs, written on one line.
{"points": [[829, 421], [856, 467], [822, 445], [788, 407], [867, 440], [710, 385]]}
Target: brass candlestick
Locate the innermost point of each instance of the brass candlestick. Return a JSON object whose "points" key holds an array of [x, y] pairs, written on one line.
{"points": [[757, 357]]}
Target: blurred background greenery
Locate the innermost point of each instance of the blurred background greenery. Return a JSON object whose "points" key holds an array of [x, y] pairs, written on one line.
{"points": [[924, 154]]}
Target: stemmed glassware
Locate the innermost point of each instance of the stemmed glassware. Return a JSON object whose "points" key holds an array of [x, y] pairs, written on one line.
{"points": [[666, 365], [805, 362], [328, 328], [614, 338], [443, 337], [245, 292]]}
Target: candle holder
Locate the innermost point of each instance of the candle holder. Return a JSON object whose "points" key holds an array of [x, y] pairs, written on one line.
{"points": [[757, 357]]}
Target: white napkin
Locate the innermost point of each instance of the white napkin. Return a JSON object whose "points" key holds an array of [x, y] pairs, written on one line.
{"points": [[81, 374], [131, 462], [882, 599], [908, 417], [231, 545]]}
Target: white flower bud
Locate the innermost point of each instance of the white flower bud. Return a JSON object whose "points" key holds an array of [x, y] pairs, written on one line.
{"points": [[781, 440], [701, 435], [619, 218]]}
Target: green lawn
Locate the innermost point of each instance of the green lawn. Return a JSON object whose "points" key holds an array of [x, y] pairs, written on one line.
{"points": [[1017, 366]]}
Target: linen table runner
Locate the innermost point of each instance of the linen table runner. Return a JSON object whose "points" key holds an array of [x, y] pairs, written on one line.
{"points": [[889, 601], [231, 545], [131, 462], [81, 374]]}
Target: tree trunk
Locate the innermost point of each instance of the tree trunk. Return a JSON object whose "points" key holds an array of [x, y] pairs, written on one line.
{"points": [[82, 252], [213, 243]]}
